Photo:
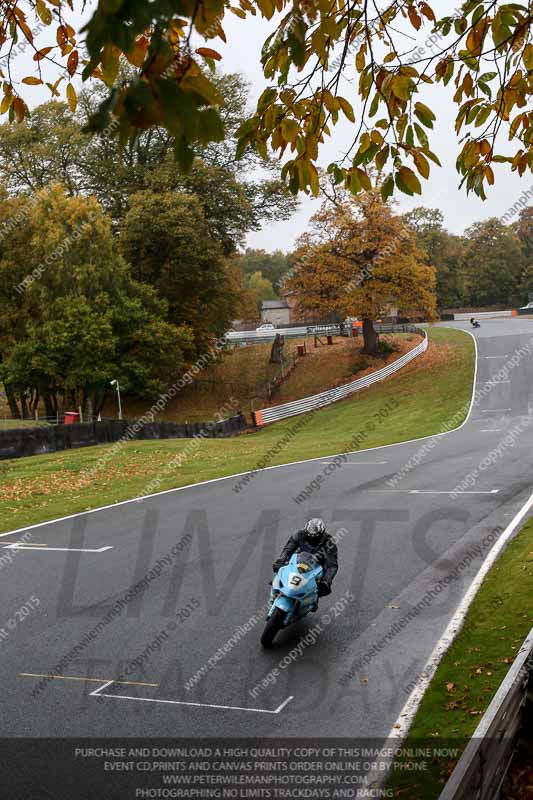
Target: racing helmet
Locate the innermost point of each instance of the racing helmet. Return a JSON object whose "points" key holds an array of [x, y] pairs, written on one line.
{"points": [[314, 530]]}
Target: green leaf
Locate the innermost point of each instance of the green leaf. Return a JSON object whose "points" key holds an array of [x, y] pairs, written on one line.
{"points": [[387, 188], [409, 179], [421, 135], [424, 114], [483, 115]]}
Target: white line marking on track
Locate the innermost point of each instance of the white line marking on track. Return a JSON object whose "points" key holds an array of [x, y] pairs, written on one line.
{"points": [[403, 723], [354, 463], [505, 356], [96, 692], [191, 486], [277, 710], [22, 546], [493, 410], [83, 678], [430, 491], [489, 430]]}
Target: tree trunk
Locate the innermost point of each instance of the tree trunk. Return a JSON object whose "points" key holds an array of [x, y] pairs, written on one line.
{"points": [[34, 401], [12, 401], [24, 406], [99, 401], [370, 338], [89, 406], [49, 409]]}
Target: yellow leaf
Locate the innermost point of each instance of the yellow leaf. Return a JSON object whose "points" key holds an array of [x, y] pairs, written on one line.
{"points": [[6, 103], [44, 12], [527, 56], [290, 129], [110, 63], [31, 81], [72, 97], [347, 108], [422, 164]]}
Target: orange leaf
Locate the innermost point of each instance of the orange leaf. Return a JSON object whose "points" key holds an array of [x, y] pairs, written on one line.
{"points": [[61, 35], [414, 17], [208, 53], [25, 29], [40, 54], [138, 54], [72, 63], [19, 108], [31, 81]]}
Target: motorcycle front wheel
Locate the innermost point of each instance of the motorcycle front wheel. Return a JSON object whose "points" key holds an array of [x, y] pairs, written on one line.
{"points": [[274, 624]]}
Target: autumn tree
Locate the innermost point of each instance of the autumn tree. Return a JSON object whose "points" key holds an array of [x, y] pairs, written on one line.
{"points": [[398, 58], [237, 196], [359, 259], [273, 266], [261, 287], [166, 239], [524, 231], [71, 316], [442, 250], [493, 264]]}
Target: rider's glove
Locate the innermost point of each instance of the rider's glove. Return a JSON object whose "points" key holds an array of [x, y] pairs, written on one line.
{"points": [[324, 588]]}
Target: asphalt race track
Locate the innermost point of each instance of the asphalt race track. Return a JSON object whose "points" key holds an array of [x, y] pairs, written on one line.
{"points": [[396, 542]]}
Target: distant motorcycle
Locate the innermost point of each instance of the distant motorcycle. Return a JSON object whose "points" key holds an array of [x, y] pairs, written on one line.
{"points": [[474, 323], [294, 594]]}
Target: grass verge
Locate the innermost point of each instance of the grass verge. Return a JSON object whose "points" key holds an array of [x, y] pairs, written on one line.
{"points": [[423, 397], [470, 673]]}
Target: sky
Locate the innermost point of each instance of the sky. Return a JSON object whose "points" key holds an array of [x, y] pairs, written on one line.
{"points": [[242, 54]]}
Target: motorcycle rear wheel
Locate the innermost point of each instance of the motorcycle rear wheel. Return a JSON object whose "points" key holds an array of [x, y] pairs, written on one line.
{"points": [[274, 624]]}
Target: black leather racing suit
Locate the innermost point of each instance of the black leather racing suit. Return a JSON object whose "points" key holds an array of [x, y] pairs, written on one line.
{"points": [[325, 550]]}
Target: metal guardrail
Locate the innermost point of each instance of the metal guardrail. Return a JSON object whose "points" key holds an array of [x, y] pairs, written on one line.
{"points": [[481, 770], [261, 337], [291, 332], [267, 415], [484, 315]]}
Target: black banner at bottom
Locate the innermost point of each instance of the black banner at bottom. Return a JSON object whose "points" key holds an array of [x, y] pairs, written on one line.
{"points": [[151, 769]]}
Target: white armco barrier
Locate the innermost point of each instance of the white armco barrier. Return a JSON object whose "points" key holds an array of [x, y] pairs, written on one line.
{"points": [[267, 415], [484, 314]]}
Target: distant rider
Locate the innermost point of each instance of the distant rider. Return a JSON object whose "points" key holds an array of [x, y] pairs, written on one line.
{"points": [[316, 540], [474, 323]]}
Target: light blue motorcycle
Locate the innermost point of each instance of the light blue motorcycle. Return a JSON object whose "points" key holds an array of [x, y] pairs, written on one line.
{"points": [[294, 594]]}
